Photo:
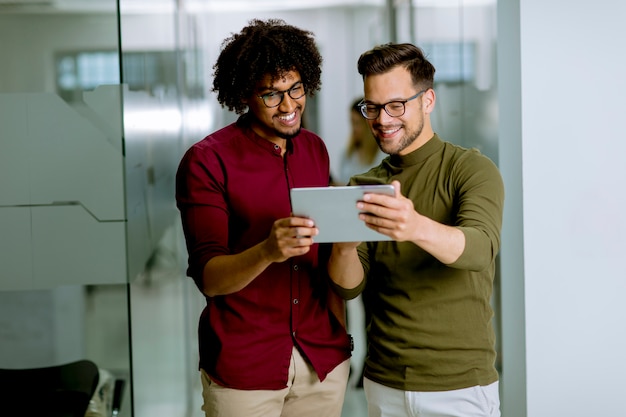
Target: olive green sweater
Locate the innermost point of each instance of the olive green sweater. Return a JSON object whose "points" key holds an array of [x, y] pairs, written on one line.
{"points": [[431, 326]]}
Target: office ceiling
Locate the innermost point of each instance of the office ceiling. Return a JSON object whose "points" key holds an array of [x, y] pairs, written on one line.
{"points": [[160, 6]]}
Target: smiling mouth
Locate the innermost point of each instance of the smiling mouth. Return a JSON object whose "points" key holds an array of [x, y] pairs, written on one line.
{"points": [[288, 117], [389, 131]]}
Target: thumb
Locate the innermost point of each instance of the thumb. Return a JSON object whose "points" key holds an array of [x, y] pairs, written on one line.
{"points": [[396, 186]]}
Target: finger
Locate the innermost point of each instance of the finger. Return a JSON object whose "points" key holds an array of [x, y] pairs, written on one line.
{"points": [[396, 186], [308, 231], [382, 199], [294, 226], [299, 221], [296, 246], [378, 224], [372, 209], [373, 220], [295, 251], [297, 236], [303, 241]]}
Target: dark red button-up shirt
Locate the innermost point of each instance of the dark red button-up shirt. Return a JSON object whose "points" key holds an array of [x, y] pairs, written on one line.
{"points": [[230, 188]]}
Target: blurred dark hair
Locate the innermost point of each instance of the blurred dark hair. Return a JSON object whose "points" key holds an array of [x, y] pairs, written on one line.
{"points": [[355, 105], [262, 48], [384, 58]]}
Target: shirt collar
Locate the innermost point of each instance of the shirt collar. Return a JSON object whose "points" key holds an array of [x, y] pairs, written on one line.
{"points": [[244, 123]]}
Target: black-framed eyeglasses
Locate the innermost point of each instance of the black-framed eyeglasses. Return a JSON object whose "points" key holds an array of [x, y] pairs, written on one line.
{"points": [[394, 108], [274, 98]]}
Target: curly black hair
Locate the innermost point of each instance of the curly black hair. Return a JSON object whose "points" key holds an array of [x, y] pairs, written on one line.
{"points": [[262, 48]]}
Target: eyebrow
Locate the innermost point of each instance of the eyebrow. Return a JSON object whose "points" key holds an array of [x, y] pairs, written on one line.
{"points": [[386, 102], [272, 89]]}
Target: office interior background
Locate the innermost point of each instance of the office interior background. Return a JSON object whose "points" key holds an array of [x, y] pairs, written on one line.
{"points": [[100, 98]]}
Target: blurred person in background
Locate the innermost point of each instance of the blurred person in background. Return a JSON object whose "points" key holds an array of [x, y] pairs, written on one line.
{"points": [[362, 151]]}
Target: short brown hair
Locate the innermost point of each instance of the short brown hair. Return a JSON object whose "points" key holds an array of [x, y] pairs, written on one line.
{"points": [[384, 58]]}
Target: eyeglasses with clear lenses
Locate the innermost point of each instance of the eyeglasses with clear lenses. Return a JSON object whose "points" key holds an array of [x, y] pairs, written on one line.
{"points": [[274, 98], [394, 108]]}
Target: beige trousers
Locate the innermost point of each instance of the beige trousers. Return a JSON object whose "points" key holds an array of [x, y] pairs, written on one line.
{"points": [[305, 395]]}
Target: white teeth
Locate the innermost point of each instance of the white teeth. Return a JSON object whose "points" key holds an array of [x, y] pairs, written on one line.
{"points": [[389, 131], [288, 117]]}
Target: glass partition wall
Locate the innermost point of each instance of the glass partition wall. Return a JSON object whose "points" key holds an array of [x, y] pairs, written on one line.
{"points": [[98, 101], [96, 98], [63, 207]]}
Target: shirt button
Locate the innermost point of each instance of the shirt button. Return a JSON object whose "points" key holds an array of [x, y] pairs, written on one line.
{"points": [[295, 267], [295, 301], [293, 334]]}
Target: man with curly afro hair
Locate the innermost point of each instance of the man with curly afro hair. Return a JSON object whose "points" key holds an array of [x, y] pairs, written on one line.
{"points": [[272, 335]]}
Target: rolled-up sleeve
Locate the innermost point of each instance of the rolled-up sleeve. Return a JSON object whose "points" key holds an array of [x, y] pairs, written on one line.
{"points": [[204, 213]]}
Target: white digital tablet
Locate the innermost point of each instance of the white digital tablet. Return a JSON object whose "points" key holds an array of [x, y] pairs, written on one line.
{"points": [[335, 213]]}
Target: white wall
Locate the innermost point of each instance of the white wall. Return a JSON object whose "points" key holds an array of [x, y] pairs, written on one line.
{"points": [[571, 112]]}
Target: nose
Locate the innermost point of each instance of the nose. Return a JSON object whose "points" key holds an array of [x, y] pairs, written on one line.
{"points": [[289, 104]]}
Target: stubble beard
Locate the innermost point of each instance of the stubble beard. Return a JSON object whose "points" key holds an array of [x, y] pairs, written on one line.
{"points": [[405, 141]]}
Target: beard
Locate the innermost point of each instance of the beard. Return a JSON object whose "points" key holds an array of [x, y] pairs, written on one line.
{"points": [[405, 141], [288, 135]]}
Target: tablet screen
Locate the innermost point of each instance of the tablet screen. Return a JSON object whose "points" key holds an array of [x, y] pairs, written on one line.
{"points": [[335, 213]]}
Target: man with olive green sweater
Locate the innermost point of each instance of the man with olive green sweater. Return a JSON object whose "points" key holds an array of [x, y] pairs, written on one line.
{"points": [[430, 339]]}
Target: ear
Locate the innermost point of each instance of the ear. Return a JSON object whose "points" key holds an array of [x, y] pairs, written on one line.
{"points": [[428, 101]]}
